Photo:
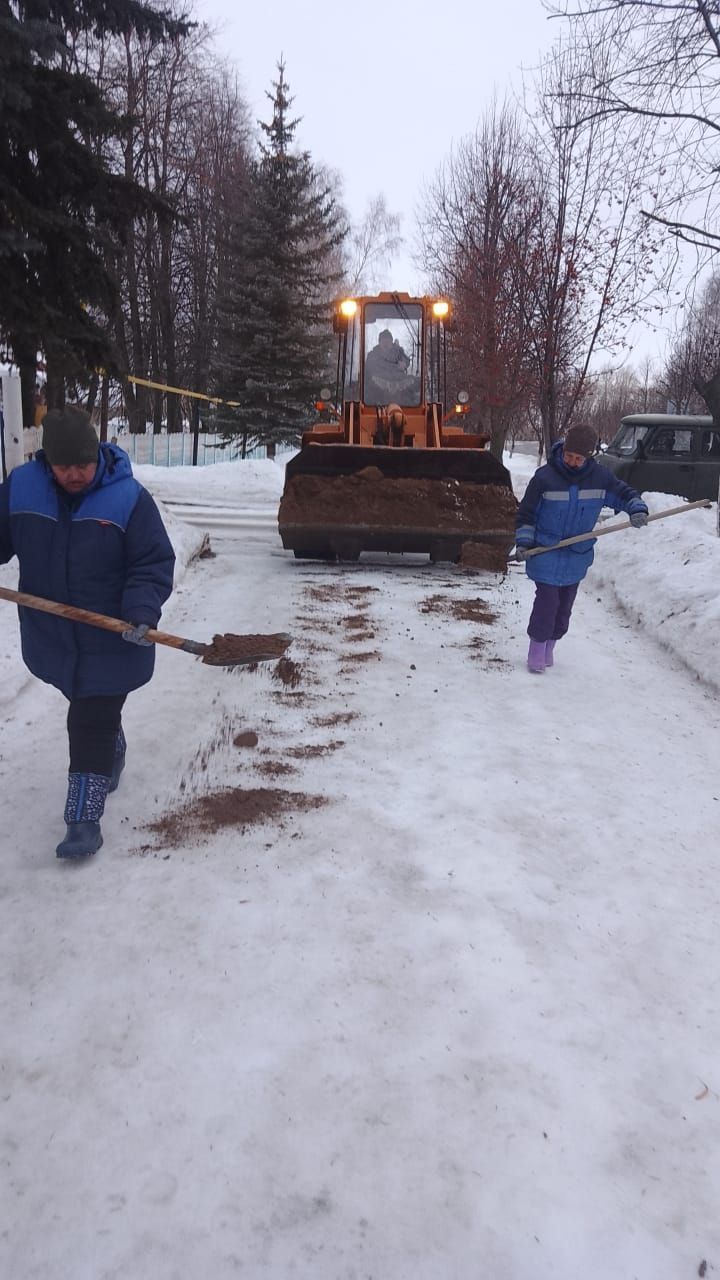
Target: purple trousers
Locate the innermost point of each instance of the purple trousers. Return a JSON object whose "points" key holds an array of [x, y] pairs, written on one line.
{"points": [[550, 617]]}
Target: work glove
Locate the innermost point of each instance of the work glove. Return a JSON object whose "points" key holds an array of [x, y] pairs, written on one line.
{"points": [[136, 635], [521, 553], [638, 519]]}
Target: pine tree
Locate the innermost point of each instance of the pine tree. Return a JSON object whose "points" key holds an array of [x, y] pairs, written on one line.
{"points": [[62, 209], [276, 282]]}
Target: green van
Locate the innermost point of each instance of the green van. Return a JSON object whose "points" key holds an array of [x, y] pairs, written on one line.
{"points": [[667, 453]]}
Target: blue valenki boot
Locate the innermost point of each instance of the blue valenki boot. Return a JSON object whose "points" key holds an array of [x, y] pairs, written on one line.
{"points": [[549, 647], [119, 761], [83, 810]]}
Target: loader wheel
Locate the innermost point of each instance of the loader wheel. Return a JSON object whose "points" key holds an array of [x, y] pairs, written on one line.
{"points": [[348, 549], [445, 552]]}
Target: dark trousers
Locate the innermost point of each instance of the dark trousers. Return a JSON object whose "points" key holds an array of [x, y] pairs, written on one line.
{"points": [[93, 725], [550, 617]]}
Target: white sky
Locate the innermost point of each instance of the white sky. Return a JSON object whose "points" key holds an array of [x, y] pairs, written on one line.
{"points": [[383, 87]]}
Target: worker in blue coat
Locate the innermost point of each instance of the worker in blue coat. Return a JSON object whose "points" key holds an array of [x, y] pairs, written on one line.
{"points": [[565, 498], [86, 533]]}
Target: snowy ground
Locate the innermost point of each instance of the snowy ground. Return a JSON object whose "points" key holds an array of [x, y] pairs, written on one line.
{"points": [[459, 1022]]}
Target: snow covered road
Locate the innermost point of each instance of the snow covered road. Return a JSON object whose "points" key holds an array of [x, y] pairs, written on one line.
{"points": [[459, 1021]]}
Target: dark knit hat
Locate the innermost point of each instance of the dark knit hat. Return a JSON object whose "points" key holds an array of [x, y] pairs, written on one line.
{"points": [[581, 439], [69, 438]]}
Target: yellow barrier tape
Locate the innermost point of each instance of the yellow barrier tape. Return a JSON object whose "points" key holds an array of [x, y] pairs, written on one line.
{"points": [[181, 391]]}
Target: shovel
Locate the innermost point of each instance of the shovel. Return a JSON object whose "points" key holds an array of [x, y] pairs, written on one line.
{"points": [[225, 651], [615, 528]]}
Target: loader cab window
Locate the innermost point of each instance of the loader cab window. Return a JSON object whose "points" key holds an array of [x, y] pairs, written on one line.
{"points": [[351, 380], [392, 354]]}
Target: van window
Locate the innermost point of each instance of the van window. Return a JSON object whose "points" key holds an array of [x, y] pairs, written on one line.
{"points": [[710, 444], [626, 440], [667, 443]]}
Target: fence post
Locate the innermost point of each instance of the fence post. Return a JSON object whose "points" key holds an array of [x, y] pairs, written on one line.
{"points": [[13, 443], [195, 430]]}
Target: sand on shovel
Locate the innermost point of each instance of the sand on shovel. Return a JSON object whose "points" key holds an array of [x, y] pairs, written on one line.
{"points": [[229, 650]]}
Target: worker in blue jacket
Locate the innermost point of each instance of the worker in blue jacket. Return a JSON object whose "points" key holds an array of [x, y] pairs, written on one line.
{"points": [[86, 533], [565, 498]]}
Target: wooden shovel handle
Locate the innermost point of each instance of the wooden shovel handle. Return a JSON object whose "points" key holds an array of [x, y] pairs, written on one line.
{"points": [[73, 614], [615, 528]]}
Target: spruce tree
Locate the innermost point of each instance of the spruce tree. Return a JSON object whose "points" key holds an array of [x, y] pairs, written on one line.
{"points": [[275, 287], [62, 209]]}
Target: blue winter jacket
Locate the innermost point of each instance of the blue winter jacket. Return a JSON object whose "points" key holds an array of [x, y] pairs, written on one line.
{"points": [[105, 549], [559, 503]]}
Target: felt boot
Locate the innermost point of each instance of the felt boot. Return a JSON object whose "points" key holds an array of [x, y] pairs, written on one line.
{"points": [[119, 761], [536, 657], [83, 810], [549, 647]]}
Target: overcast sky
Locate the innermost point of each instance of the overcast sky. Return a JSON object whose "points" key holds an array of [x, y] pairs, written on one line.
{"points": [[383, 87]]}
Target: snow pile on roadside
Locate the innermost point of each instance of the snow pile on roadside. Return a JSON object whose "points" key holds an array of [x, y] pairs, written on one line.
{"points": [[224, 481], [665, 578]]}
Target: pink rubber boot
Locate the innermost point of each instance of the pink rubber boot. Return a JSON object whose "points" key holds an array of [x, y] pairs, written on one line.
{"points": [[549, 646], [536, 657]]}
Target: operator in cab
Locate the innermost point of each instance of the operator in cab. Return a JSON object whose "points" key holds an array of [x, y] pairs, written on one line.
{"points": [[386, 366]]}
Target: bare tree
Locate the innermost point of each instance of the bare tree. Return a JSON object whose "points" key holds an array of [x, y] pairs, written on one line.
{"points": [[656, 64], [589, 274], [474, 227], [370, 247], [186, 124], [690, 370], [612, 392]]}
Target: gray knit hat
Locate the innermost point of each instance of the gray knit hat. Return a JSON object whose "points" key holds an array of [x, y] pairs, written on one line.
{"points": [[581, 439], [69, 438]]}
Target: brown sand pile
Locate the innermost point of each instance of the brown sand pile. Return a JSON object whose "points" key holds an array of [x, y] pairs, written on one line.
{"points": [[464, 610], [275, 768], [247, 739], [288, 673], [314, 750], [338, 717], [485, 555], [369, 498], [233, 807], [229, 650]]}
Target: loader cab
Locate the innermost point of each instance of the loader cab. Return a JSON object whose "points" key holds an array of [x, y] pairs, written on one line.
{"points": [[392, 354], [392, 351], [391, 374]]}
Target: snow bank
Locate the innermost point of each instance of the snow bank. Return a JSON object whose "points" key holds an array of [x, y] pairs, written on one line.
{"points": [[225, 481], [666, 578]]}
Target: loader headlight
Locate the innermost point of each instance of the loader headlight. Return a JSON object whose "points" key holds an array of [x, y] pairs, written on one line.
{"points": [[441, 309], [348, 307], [463, 397]]}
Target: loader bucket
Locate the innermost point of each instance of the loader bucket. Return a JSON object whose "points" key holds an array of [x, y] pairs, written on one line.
{"points": [[340, 500]]}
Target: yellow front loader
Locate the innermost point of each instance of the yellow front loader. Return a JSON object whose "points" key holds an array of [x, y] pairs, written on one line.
{"points": [[391, 471]]}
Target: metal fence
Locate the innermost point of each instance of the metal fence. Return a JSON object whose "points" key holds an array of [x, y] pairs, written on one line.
{"points": [[176, 449], [163, 450]]}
